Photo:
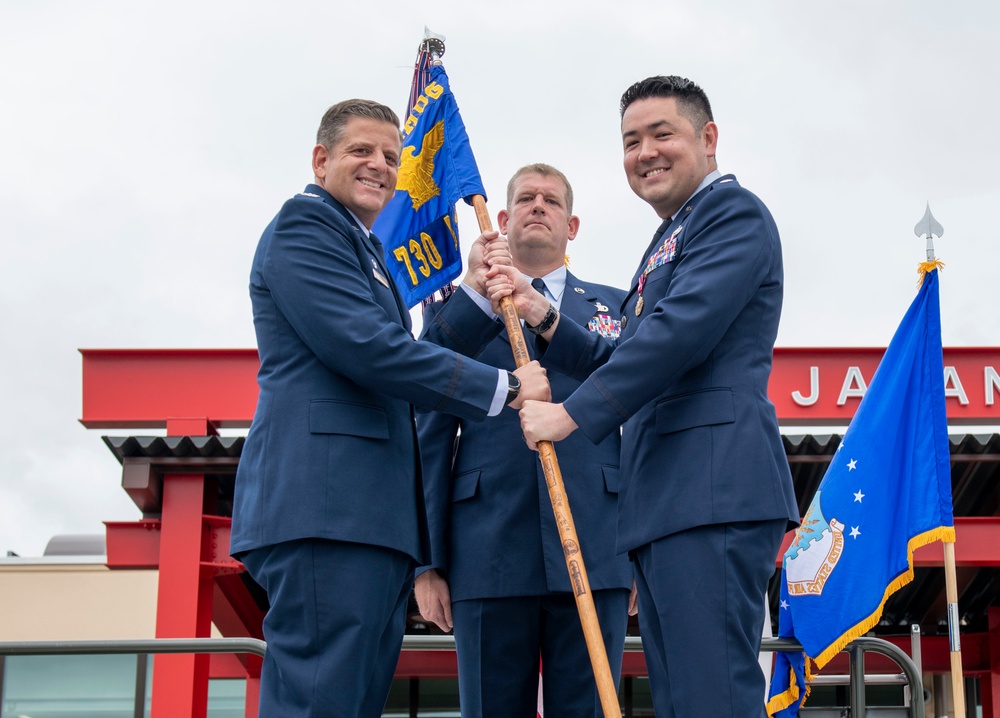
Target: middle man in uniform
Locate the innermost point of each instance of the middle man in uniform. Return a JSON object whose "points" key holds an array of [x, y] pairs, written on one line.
{"points": [[498, 576]]}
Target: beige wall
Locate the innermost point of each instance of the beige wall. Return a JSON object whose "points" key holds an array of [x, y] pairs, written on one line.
{"points": [[48, 600]]}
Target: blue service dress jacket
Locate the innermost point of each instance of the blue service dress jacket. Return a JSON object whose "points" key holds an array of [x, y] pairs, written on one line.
{"points": [[493, 534], [688, 378], [332, 450]]}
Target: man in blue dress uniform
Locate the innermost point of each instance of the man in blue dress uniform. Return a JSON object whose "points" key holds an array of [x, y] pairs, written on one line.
{"points": [[328, 515], [706, 493], [497, 574]]}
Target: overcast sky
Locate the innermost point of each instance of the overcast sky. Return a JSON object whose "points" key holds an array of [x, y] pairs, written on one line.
{"points": [[144, 146]]}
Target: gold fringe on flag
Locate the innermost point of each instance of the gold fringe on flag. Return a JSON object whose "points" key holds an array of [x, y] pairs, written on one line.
{"points": [[929, 266], [942, 533], [794, 693]]}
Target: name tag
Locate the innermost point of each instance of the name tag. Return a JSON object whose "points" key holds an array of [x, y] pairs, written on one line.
{"points": [[378, 275]]}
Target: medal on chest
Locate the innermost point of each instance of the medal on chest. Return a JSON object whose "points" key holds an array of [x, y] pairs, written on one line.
{"points": [[641, 301]]}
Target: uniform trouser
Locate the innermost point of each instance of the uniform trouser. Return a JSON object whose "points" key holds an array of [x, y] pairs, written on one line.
{"points": [[499, 643], [701, 612], [334, 628]]}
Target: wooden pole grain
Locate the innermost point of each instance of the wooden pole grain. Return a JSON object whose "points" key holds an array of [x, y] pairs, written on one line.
{"points": [[564, 518]]}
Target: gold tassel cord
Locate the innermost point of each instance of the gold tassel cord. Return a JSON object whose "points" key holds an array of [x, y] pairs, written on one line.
{"points": [[929, 266]]}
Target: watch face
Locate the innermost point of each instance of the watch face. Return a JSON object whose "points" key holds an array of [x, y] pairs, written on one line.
{"points": [[513, 387]]}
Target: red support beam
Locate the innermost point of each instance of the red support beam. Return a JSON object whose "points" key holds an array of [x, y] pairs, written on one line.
{"points": [[250, 707], [989, 683], [133, 544], [183, 599], [427, 664], [190, 426], [141, 388]]}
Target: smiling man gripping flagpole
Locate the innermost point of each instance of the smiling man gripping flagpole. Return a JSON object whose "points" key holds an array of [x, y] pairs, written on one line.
{"points": [[886, 493]]}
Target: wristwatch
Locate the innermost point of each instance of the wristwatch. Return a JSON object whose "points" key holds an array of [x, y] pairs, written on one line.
{"points": [[547, 321], [513, 387]]}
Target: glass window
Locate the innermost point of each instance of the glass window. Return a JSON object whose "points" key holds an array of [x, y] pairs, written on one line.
{"points": [[69, 686]]}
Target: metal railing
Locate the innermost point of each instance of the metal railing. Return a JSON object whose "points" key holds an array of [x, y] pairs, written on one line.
{"points": [[857, 678], [151, 645]]}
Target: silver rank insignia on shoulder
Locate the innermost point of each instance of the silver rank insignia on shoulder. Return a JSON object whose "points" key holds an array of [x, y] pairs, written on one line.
{"points": [[600, 307], [578, 290], [309, 194]]}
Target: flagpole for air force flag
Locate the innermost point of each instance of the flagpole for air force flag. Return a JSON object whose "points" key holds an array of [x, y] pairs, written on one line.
{"points": [[931, 227]]}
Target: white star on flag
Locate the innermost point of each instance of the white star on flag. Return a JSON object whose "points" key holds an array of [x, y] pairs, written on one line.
{"points": [[854, 532], [852, 464], [858, 496]]}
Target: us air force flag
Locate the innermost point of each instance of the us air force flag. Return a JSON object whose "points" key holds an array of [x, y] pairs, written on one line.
{"points": [[886, 493], [437, 168]]}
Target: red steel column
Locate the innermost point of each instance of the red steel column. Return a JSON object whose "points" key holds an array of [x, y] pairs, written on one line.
{"points": [[253, 695], [183, 600], [989, 683]]}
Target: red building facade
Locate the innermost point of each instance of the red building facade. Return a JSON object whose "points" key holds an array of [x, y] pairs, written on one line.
{"points": [[183, 484]]}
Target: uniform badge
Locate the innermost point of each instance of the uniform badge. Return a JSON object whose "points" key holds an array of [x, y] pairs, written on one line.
{"points": [[578, 290], [605, 326], [379, 276], [600, 307], [665, 253]]}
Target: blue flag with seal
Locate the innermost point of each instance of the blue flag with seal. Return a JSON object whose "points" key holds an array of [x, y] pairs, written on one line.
{"points": [[886, 492], [437, 168]]}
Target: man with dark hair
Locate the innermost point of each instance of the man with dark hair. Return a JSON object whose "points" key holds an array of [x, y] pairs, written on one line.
{"points": [[706, 493], [328, 515], [497, 574]]}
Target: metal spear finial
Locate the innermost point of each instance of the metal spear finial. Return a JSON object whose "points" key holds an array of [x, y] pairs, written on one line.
{"points": [[930, 227], [433, 43]]}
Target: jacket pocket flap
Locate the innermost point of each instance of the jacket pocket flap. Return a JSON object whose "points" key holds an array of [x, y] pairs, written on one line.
{"points": [[465, 485], [342, 417], [610, 478], [702, 408]]}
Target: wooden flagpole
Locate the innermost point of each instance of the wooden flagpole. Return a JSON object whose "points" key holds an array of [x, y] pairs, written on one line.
{"points": [[931, 227], [951, 591], [564, 519]]}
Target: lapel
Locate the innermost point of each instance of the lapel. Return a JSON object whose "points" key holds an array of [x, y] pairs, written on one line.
{"points": [[366, 242], [580, 307], [667, 227]]}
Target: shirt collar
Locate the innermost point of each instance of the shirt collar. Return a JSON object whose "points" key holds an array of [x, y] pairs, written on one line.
{"points": [[555, 284], [368, 232], [709, 179]]}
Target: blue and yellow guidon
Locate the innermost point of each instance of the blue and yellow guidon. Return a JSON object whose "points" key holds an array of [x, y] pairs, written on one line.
{"points": [[437, 168]]}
